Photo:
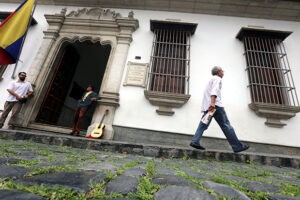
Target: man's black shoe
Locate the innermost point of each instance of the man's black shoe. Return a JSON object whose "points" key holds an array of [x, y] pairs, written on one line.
{"points": [[197, 146], [245, 147]]}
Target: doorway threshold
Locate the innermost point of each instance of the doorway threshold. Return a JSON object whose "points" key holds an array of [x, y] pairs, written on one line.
{"points": [[48, 128]]}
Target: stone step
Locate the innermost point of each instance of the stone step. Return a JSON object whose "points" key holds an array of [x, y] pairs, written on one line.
{"points": [[151, 150]]}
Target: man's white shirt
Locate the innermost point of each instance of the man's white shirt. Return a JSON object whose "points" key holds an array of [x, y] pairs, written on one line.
{"points": [[20, 88], [213, 87]]}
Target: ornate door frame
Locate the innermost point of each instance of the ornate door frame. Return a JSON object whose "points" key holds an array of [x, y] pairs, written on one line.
{"points": [[95, 25]]}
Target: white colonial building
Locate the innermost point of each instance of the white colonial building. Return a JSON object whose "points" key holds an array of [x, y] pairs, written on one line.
{"points": [[150, 62]]}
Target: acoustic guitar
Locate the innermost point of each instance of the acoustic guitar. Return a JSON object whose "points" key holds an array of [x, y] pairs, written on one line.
{"points": [[98, 131]]}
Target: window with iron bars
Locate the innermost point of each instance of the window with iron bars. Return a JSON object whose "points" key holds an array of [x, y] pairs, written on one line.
{"points": [[272, 90], [168, 77], [169, 67], [270, 77]]}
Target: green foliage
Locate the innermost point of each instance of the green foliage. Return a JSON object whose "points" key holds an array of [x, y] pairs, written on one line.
{"points": [[8, 150], [51, 193], [26, 163], [73, 157], [292, 190], [44, 153], [131, 164], [150, 168], [50, 169], [221, 180], [252, 173], [98, 191], [93, 157], [145, 189], [185, 157], [258, 195], [238, 186], [110, 176]]}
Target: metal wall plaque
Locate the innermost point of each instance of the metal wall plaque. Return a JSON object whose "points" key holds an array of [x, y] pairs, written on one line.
{"points": [[136, 74]]}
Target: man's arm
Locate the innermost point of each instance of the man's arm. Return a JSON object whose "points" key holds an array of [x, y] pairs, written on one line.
{"points": [[30, 91], [28, 94], [213, 93], [95, 97], [10, 91], [212, 103]]}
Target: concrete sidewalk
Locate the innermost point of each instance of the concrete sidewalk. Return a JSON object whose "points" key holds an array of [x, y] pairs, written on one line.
{"points": [[39, 165]]}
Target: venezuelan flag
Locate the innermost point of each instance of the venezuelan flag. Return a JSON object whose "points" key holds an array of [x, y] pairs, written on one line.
{"points": [[12, 32]]}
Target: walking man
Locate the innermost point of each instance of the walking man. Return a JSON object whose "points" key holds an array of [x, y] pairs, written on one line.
{"points": [[18, 92], [212, 102]]}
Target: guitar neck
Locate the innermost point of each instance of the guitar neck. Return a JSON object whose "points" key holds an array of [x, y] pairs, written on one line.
{"points": [[102, 118]]}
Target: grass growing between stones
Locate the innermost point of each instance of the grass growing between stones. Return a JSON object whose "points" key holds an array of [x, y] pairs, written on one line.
{"points": [[51, 169], [145, 188], [59, 192], [45, 153], [52, 193], [194, 180], [26, 163], [98, 191], [237, 185], [256, 174], [290, 189], [251, 173], [8, 150], [127, 165]]}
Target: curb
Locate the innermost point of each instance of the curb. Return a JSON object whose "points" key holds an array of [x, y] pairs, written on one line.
{"points": [[150, 150]]}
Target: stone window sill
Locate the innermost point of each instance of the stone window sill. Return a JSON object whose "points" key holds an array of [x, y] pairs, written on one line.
{"points": [[274, 113], [166, 101]]}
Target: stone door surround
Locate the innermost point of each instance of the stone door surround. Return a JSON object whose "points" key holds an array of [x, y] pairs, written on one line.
{"points": [[86, 24]]}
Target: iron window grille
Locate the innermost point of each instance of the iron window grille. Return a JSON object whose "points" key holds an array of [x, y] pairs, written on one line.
{"points": [[270, 77], [272, 90], [169, 67], [170, 61], [268, 70]]}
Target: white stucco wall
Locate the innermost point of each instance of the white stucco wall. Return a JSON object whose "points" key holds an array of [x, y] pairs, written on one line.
{"points": [[213, 43]]}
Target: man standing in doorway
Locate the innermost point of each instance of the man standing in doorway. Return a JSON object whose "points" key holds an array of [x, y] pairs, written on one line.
{"points": [[18, 92], [83, 105], [212, 102]]}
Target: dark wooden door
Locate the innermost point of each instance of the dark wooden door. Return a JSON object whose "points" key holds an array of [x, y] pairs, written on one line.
{"points": [[56, 94]]}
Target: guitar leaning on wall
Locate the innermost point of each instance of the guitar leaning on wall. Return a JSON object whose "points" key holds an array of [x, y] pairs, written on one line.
{"points": [[98, 131]]}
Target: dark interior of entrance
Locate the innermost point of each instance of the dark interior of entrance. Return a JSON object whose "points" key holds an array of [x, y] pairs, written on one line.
{"points": [[77, 65]]}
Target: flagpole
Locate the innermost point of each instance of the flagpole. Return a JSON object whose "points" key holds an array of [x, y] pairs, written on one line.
{"points": [[28, 25]]}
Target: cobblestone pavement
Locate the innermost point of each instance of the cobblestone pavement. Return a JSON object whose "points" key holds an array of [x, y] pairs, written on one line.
{"points": [[30, 170]]}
